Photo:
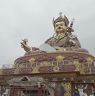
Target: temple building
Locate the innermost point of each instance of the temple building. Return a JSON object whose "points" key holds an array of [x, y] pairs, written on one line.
{"points": [[59, 67]]}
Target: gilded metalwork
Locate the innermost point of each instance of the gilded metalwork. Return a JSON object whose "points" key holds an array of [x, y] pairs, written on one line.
{"points": [[32, 60], [56, 68], [89, 60], [67, 88], [60, 58]]}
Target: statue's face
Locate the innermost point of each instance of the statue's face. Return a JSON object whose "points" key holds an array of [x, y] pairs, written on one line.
{"points": [[60, 27]]}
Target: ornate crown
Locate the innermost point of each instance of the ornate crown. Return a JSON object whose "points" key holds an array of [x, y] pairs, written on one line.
{"points": [[61, 18]]}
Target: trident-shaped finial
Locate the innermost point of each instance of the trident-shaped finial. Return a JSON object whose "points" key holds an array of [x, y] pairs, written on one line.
{"points": [[60, 13]]}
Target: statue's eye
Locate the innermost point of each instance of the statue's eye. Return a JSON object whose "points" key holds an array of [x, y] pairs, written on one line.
{"points": [[56, 25]]}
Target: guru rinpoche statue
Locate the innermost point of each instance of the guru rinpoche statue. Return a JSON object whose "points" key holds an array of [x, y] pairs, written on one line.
{"points": [[62, 39], [63, 34]]}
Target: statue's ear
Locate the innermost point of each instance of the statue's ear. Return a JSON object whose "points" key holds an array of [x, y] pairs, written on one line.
{"points": [[66, 20]]}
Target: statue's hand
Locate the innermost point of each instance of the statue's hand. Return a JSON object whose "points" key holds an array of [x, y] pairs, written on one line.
{"points": [[25, 46]]}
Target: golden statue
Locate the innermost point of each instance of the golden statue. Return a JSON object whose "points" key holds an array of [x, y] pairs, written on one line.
{"points": [[61, 40], [63, 36]]}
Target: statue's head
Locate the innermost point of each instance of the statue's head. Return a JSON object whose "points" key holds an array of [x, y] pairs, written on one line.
{"points": [[60, 24]]}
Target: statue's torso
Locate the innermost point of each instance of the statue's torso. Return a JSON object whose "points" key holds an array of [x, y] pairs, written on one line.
{"points": [[63, 41]]}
